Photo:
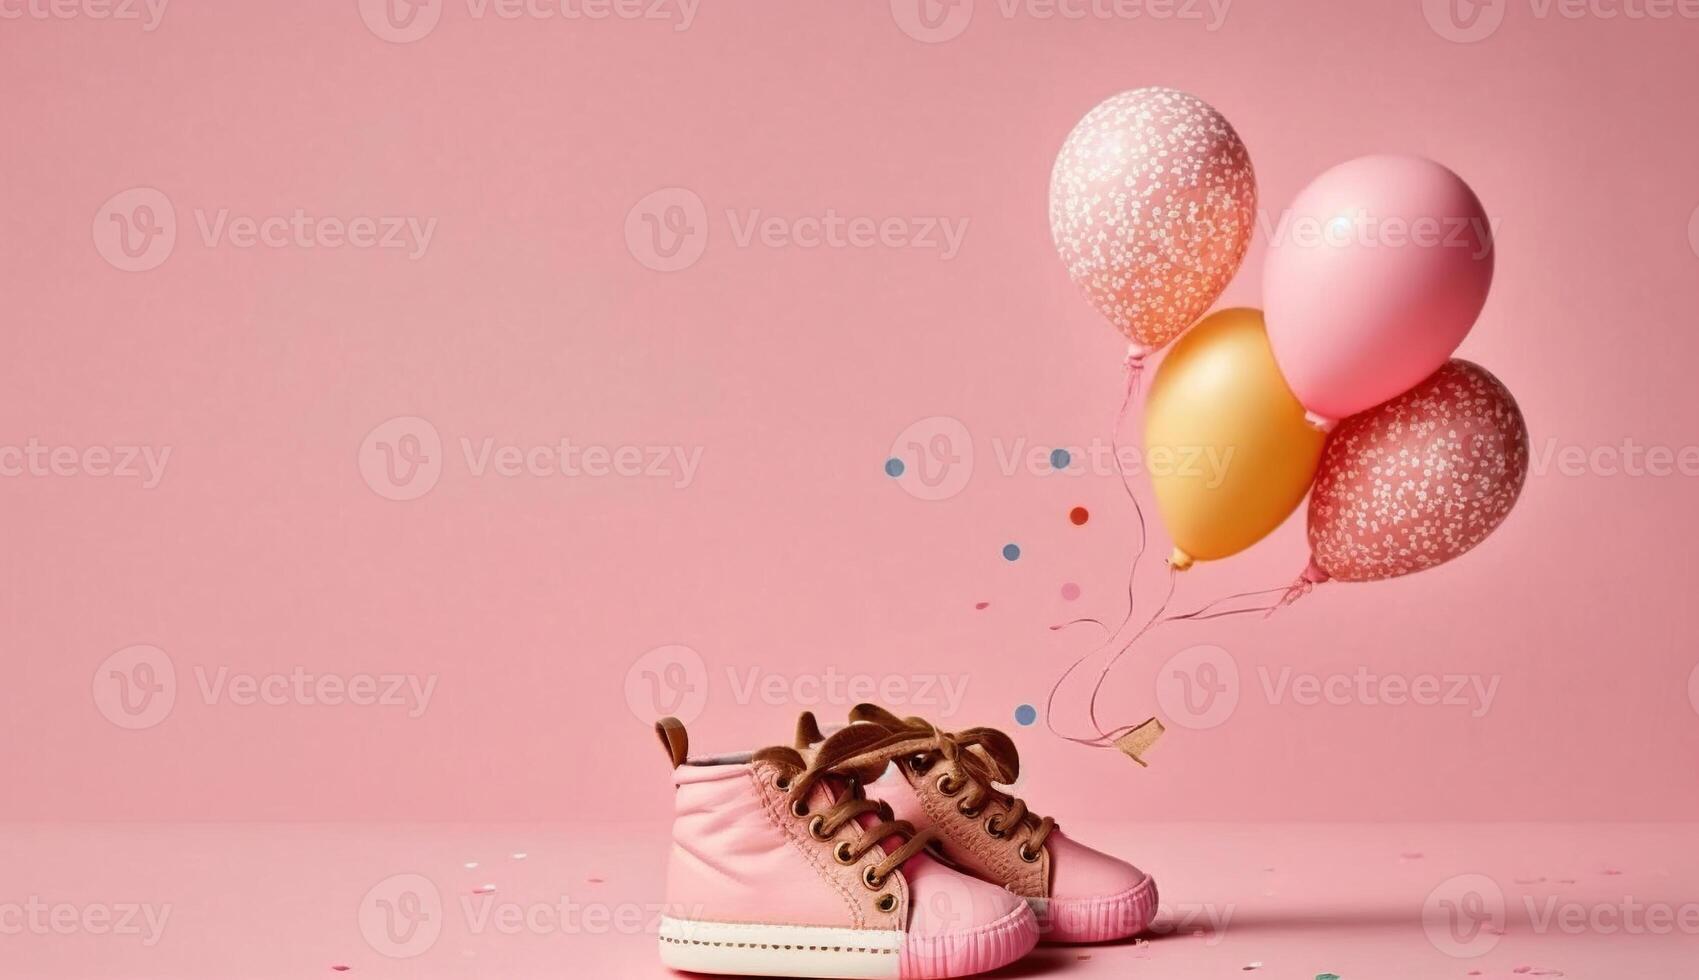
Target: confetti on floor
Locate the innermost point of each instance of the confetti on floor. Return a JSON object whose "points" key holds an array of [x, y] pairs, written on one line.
{"points": [[520, 855], [981, 605], [484, 890], [1070, 591], [1079, 515], [1011, 552], [340, 968]]}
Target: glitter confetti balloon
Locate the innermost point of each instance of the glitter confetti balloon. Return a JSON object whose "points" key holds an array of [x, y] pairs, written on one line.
{"points": [[1418, 480], [1152, 204]]}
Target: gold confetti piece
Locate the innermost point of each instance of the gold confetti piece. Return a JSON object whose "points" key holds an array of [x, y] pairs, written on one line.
{"points": [[1138, 741]]}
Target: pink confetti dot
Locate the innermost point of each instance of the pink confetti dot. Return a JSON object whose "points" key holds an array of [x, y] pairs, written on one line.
{"points": [[1070, 591], [981, 605]]}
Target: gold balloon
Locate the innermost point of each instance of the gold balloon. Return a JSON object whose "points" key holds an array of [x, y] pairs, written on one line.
{"points": [[1226, 444]]}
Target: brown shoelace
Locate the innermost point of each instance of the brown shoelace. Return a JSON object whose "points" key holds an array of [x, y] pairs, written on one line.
{"points": [[982, 756], [832, 765]]}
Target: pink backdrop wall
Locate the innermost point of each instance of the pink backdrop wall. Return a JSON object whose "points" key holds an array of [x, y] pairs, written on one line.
{"points": [[525, 604]]}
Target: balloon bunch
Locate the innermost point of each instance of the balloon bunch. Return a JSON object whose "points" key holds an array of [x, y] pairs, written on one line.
{"points": [[1344, 390]]}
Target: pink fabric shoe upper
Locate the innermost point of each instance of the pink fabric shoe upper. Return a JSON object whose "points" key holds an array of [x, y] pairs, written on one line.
{"points": [[738, 855], [741, 854], [1080, 894]]}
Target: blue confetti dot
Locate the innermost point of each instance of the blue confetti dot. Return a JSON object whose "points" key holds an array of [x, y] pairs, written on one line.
{"points": [[1059, 459], [1011, 551], [1026, 714], [893, 467]]}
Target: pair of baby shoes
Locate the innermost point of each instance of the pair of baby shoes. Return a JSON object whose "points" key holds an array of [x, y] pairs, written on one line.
{"points": [[885, 849]]}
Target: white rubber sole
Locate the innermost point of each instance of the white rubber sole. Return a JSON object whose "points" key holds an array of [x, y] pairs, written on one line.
{"points": [[781, 951]]}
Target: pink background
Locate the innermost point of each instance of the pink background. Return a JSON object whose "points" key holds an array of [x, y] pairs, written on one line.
{"points": [[529, 320]]}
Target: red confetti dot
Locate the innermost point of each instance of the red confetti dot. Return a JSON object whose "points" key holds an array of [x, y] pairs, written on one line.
{"points": [[1079, 515], [981, 605]]}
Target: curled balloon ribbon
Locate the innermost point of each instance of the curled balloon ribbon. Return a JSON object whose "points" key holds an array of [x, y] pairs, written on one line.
{"points": [[1106, 738], [1134, 739], [1302, 586]]}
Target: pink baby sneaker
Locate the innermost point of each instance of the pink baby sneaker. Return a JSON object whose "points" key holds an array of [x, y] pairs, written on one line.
{"points": [[945, 783], [782, 867]]}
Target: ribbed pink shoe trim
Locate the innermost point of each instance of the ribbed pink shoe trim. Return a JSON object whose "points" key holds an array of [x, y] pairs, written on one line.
{"points": [[1101, 919], [960, 954]]}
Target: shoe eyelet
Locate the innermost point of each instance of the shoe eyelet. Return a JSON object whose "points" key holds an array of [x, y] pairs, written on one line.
{"points": [[887, 902], [782, 783], [817, 828], [992, 828], [919, 763], [1030, 857], [871, 878], [843, 853], [948, 786], [970, 813], [800, 808]]}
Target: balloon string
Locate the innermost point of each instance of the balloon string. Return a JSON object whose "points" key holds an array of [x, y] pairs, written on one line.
{"points": [[1106, 739], [1289, 594], [1135, 371]]}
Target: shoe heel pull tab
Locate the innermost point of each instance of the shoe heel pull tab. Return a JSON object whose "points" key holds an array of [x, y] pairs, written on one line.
{"points": [[807, 732], [674, 739]]}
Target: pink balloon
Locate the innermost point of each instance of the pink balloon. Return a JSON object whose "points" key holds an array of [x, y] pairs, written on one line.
{"points": [[1372, 280], [1152, 205], [1418, 480]]}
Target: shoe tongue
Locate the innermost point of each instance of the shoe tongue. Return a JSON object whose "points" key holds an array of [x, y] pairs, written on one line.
{"points": [[847, 743], [780, 755]]}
